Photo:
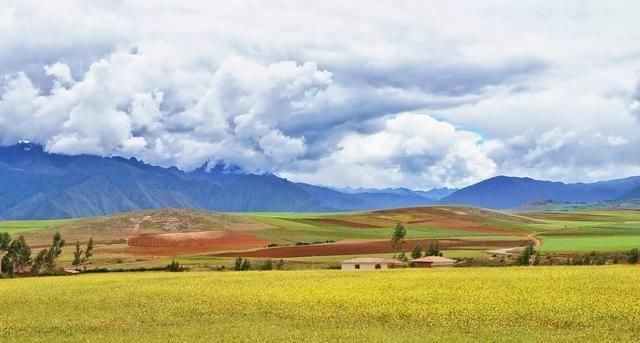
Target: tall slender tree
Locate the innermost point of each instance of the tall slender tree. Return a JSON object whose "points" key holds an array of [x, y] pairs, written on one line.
{"points": [[397, 239], [53, 252], [38, 262], [77, 256], [5, 241], [417, 252], [88, 252]]}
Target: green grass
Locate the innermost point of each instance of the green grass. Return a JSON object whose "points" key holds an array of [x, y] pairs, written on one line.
{"points": [[586, 231], [532, 304], [16, 227], [590, 243], [303, 232]]}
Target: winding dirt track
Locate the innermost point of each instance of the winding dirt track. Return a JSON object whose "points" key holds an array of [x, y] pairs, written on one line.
{"points": [[509, 251]]}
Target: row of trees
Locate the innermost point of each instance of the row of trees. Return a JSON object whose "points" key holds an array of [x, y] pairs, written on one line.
{"points": [[16, 255], [244, 264], [530, 256], [397, 245]]}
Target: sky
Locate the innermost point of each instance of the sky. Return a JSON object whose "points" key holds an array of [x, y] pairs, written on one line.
{"points": [[416, 94]]}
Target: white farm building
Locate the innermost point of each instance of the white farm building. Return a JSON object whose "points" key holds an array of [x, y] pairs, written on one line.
{"points": [[370, 263]]}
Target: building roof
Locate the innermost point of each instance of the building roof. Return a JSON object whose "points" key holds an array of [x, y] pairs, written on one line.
{"points": [[372, 260], [434, 259]]}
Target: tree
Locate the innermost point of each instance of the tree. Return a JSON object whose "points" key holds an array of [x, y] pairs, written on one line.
{"points": [[417, 252], [38, 262], [267, 265], [77, 256], [53, 252], [238, 264], [87, 254], [174, 266], [17, 257], [634, 256], [397, 239], [246, 265], [5, 240], [525, 256], [280, 264], [434, 249]]}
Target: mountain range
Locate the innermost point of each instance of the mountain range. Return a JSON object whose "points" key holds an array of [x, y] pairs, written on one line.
{"points": [[35, 184], [504, 192]]}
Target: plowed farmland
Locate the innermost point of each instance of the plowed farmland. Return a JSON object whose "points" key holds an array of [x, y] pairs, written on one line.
{"points": [[146, 236]]}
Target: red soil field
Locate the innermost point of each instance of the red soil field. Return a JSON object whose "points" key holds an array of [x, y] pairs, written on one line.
{"points": [[169, 244], [369, 247]]}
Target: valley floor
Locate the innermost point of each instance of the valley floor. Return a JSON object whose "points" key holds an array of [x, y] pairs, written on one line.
{"points": [[533, 304], [208, 240]]}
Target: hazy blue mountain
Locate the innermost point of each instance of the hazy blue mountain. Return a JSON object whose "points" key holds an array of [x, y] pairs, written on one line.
{"points": [[437, 193], [632, 194], [35, 184], [371, 198], [504, 192]]}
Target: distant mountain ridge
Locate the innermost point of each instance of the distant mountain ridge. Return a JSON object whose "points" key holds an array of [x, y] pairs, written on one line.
{"points": [[504, 192], [35, 184]]}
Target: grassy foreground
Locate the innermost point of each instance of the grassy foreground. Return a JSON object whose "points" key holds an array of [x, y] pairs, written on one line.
{"points": [[463, 304]]}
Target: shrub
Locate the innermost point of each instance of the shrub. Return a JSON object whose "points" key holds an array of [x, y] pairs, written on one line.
{"points": [[417, 251], [246, 265], [238, 264], [267, 265], [633, 256], [525, 256], [175, 267]]}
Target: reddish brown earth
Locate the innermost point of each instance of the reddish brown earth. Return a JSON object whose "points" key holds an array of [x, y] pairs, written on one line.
{"points": [[369, 247], [344, 223], [168, 244]]}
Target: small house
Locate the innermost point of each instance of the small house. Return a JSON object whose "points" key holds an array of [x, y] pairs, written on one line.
{"points": [[433, 261], [371, 263]]}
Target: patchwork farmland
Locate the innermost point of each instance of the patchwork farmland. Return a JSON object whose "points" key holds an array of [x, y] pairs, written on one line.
{"points": [[207, 239]]}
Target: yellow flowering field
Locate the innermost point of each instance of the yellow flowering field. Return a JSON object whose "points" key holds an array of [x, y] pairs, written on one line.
{"points": [[534, 304]]}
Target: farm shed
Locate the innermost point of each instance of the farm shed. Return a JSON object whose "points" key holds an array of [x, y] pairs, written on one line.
{"points": [[433, 261], [370, 263]]}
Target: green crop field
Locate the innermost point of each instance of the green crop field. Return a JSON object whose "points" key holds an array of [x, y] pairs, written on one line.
{"points": [[16, 227], [590, 243], [585, 231], [532, 304]]}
